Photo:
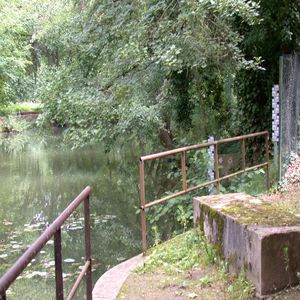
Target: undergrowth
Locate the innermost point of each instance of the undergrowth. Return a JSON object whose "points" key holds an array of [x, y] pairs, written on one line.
{"points": [[176, 215], [190, 250], [12, 124]]}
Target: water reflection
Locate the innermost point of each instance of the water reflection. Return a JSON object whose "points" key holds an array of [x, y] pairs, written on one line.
{"points": [[39, 176]]}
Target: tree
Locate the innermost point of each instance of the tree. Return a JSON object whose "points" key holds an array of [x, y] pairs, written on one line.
{"points": [[14, 50], [276, 34], [145, 68], [23, 24]]}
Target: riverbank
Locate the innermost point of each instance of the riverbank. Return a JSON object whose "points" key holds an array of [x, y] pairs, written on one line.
{"points": [[187, 267], [20, 107], [16, 117]]}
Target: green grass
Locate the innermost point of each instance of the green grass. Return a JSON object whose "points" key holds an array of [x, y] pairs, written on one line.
{"points": [[189, 267], [14, 108]]}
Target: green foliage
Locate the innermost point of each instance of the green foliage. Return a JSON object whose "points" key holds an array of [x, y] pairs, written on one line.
{"points": [[176, 214], [13, 124], [179, 254], [209, 251], [286, 258], [14, 108], [183, 217], [241, 288], [144, 70], [16, 142], [206, 280], [253, 183], [276, 34], [23, 25], [14, 53], [189, 251], [156, 234]]}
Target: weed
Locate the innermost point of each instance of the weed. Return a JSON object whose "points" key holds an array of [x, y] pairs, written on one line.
{"points": [[188, 252], [156, 235], [208, 249], [184, 251], [241, 288], [206, 280], [183, 217], [176, 255], [286, 258], [223, 267]]}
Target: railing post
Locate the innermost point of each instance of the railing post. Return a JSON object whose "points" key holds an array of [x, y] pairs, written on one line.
{"points": [[58, 265], [88, 248], [267, 160], [216, 163], [142, 206], [243, 154], [183, 171]]}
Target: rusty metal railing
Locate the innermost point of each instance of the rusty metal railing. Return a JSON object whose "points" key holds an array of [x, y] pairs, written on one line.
{"points": [[217, 180], [55, 230]]}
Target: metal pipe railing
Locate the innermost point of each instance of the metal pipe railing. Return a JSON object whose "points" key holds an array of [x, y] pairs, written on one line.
{"points": [[199, 146], [185, 189], [55, 230]]}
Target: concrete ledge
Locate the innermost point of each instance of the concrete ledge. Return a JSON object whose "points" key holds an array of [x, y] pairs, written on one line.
{"points": [[256, 236], [109, 284]]}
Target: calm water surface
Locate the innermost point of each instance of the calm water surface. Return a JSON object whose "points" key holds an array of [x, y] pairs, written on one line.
{"points": [[39, 176]]}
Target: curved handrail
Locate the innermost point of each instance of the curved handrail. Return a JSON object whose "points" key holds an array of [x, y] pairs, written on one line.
{"points": [[54, 230]]}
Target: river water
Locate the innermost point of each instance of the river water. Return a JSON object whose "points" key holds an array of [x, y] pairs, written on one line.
{"points": [[39, 177]]}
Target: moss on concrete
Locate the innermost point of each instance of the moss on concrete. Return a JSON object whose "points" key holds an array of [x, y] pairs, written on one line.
{"points": [[267, 214], [213, 216], [247, 210]]}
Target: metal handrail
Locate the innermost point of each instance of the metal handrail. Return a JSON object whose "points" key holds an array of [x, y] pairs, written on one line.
{"points": [[55, 230], [185, 189]]}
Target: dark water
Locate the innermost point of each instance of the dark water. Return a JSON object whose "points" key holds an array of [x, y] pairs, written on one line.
{"points": [[39, 176]]}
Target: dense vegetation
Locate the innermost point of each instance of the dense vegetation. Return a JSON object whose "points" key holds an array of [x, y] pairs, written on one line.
{"points": [[148, 70]]}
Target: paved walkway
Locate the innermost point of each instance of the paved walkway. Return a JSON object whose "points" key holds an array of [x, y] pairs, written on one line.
{"points": [[109, 284]]}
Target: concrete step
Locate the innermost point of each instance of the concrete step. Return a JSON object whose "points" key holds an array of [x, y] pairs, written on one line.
{"points": [[256, 236], [110, 283]]}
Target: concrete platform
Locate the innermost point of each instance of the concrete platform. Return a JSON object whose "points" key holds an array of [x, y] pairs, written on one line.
{"points": [[109, 284], [258, 237]]}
